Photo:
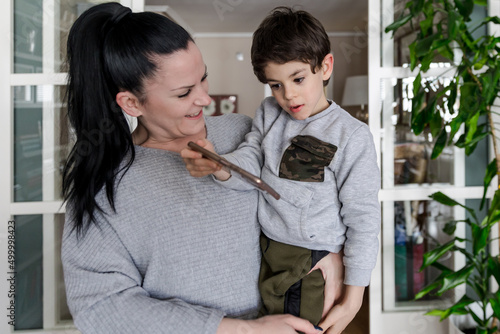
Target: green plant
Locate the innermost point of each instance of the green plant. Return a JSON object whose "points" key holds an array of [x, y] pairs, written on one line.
{"points": [[445, 32]]}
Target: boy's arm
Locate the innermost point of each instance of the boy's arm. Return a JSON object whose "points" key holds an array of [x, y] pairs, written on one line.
{"points": [[342, 313], [342, 302], [358, 181]]}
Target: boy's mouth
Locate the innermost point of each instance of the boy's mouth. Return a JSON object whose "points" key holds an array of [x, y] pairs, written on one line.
{"points": [[296, 108]]}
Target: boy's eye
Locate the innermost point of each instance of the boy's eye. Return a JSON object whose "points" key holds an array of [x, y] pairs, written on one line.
{"points": [[275, 86], [299, 80], [186, 94]]}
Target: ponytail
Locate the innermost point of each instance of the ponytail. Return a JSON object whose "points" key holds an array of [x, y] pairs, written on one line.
{"points": [[110, 49]]}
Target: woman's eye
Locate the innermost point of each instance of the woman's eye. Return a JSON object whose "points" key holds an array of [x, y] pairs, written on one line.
{"points": [[204, 76], [186, 94]]}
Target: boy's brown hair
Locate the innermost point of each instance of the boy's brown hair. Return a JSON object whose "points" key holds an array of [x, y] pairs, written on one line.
{"points": [[289, 35]]}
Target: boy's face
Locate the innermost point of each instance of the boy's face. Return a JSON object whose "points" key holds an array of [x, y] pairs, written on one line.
{"points": [[299, 91]]}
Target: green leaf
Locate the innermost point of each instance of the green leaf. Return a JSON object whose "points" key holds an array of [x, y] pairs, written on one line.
{"points": [[446, 52], [436, 122], [419, 118], [417, 84], [443, 199], [457, 122], [495, 305], [465, 8], [442, 314], [491, 171], [457, 308], [413, 57], [423, 46], [454, 21], [469, 94], [481, 2], [479, 239], [427, 61], [494, 268], [470, 146], [492, 19], [435, 254], [417, 7], [455, 279], [450, 227], [427, 289], [472, 127], [399, 23], [440, 144], [452, 97], [426, 25]]}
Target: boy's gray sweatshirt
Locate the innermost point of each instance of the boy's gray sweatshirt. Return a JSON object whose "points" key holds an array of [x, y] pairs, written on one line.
{"points": [[343, 211]]}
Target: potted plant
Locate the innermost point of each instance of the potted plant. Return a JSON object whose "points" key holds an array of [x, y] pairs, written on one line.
{"points": [[445, 32]]}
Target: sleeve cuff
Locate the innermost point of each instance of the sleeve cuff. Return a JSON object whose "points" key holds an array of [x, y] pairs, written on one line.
{"points": [[357, 277]]}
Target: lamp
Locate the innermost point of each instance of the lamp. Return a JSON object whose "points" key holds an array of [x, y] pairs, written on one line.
{"points": [[356, 94]]}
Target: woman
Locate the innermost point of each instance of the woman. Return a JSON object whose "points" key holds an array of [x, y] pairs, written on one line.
{"points": [[146, 247]]}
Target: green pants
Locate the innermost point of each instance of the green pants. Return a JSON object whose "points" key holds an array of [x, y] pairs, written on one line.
{"points": [[284, 284]]}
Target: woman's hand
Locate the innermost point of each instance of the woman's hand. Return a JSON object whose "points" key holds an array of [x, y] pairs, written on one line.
{"points": [[271, 324], [199, 166]]}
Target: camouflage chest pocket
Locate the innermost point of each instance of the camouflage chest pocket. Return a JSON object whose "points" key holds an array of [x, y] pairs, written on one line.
{"points": [[305, 159]]}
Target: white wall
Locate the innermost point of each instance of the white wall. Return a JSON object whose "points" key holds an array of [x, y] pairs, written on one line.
{"points": [[227, 75]]}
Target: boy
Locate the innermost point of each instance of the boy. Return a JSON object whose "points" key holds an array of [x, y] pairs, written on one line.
{"points": [[320, 160]]}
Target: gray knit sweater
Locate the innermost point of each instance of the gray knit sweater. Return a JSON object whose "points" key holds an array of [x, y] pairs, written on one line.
{"points": [[340, 212], [178, 255]]}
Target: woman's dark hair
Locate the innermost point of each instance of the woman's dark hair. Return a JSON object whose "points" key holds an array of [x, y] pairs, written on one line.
{"points": [[110, 49], [288, 35]]}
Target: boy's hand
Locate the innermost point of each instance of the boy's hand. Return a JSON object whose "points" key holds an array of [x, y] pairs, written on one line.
{"points": [[342, 313], [332, 269], [198, 166]]}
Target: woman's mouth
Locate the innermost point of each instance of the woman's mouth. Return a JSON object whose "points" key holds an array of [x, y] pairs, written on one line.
{"points": [[296, 108], [196, 115]]}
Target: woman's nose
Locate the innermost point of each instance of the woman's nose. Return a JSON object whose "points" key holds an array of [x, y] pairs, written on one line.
{"points": [[203, 98]]}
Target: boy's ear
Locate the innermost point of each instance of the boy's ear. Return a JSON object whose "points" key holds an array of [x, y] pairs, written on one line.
{"points": [[129, 103], [327, 66]]}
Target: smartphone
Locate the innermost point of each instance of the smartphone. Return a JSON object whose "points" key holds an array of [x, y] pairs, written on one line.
{"points": [[247, 176]]}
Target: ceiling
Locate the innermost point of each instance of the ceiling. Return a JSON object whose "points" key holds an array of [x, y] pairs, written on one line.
{"points": [[244, 16]]}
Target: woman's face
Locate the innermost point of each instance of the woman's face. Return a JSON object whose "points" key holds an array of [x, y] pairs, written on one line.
{"points": [[175, 97]]}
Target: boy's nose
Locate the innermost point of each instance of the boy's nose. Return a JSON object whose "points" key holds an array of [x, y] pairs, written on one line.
{"points": [[289, 93]]}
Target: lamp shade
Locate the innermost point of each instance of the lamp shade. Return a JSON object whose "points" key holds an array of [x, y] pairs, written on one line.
{"points": [[355, 91]]}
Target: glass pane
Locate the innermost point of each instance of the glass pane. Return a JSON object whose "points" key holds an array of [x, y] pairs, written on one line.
{"points": [[405, 36], [411, 163], [30, 37], [29, 272], [39, 117], [29, 268], [417, 229]]}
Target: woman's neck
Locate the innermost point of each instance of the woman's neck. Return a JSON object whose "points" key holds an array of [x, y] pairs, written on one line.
{"points": [[174, 145]]}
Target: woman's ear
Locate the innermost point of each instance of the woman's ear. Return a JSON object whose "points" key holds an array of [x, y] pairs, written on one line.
{"points": [[129, 103], [327, 66]]}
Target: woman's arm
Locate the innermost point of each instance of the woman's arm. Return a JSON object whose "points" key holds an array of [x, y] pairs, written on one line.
{"points": [[273, 324]]}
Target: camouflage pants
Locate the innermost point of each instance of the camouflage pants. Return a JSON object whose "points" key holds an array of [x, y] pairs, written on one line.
{"points": [[284, 284]]}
